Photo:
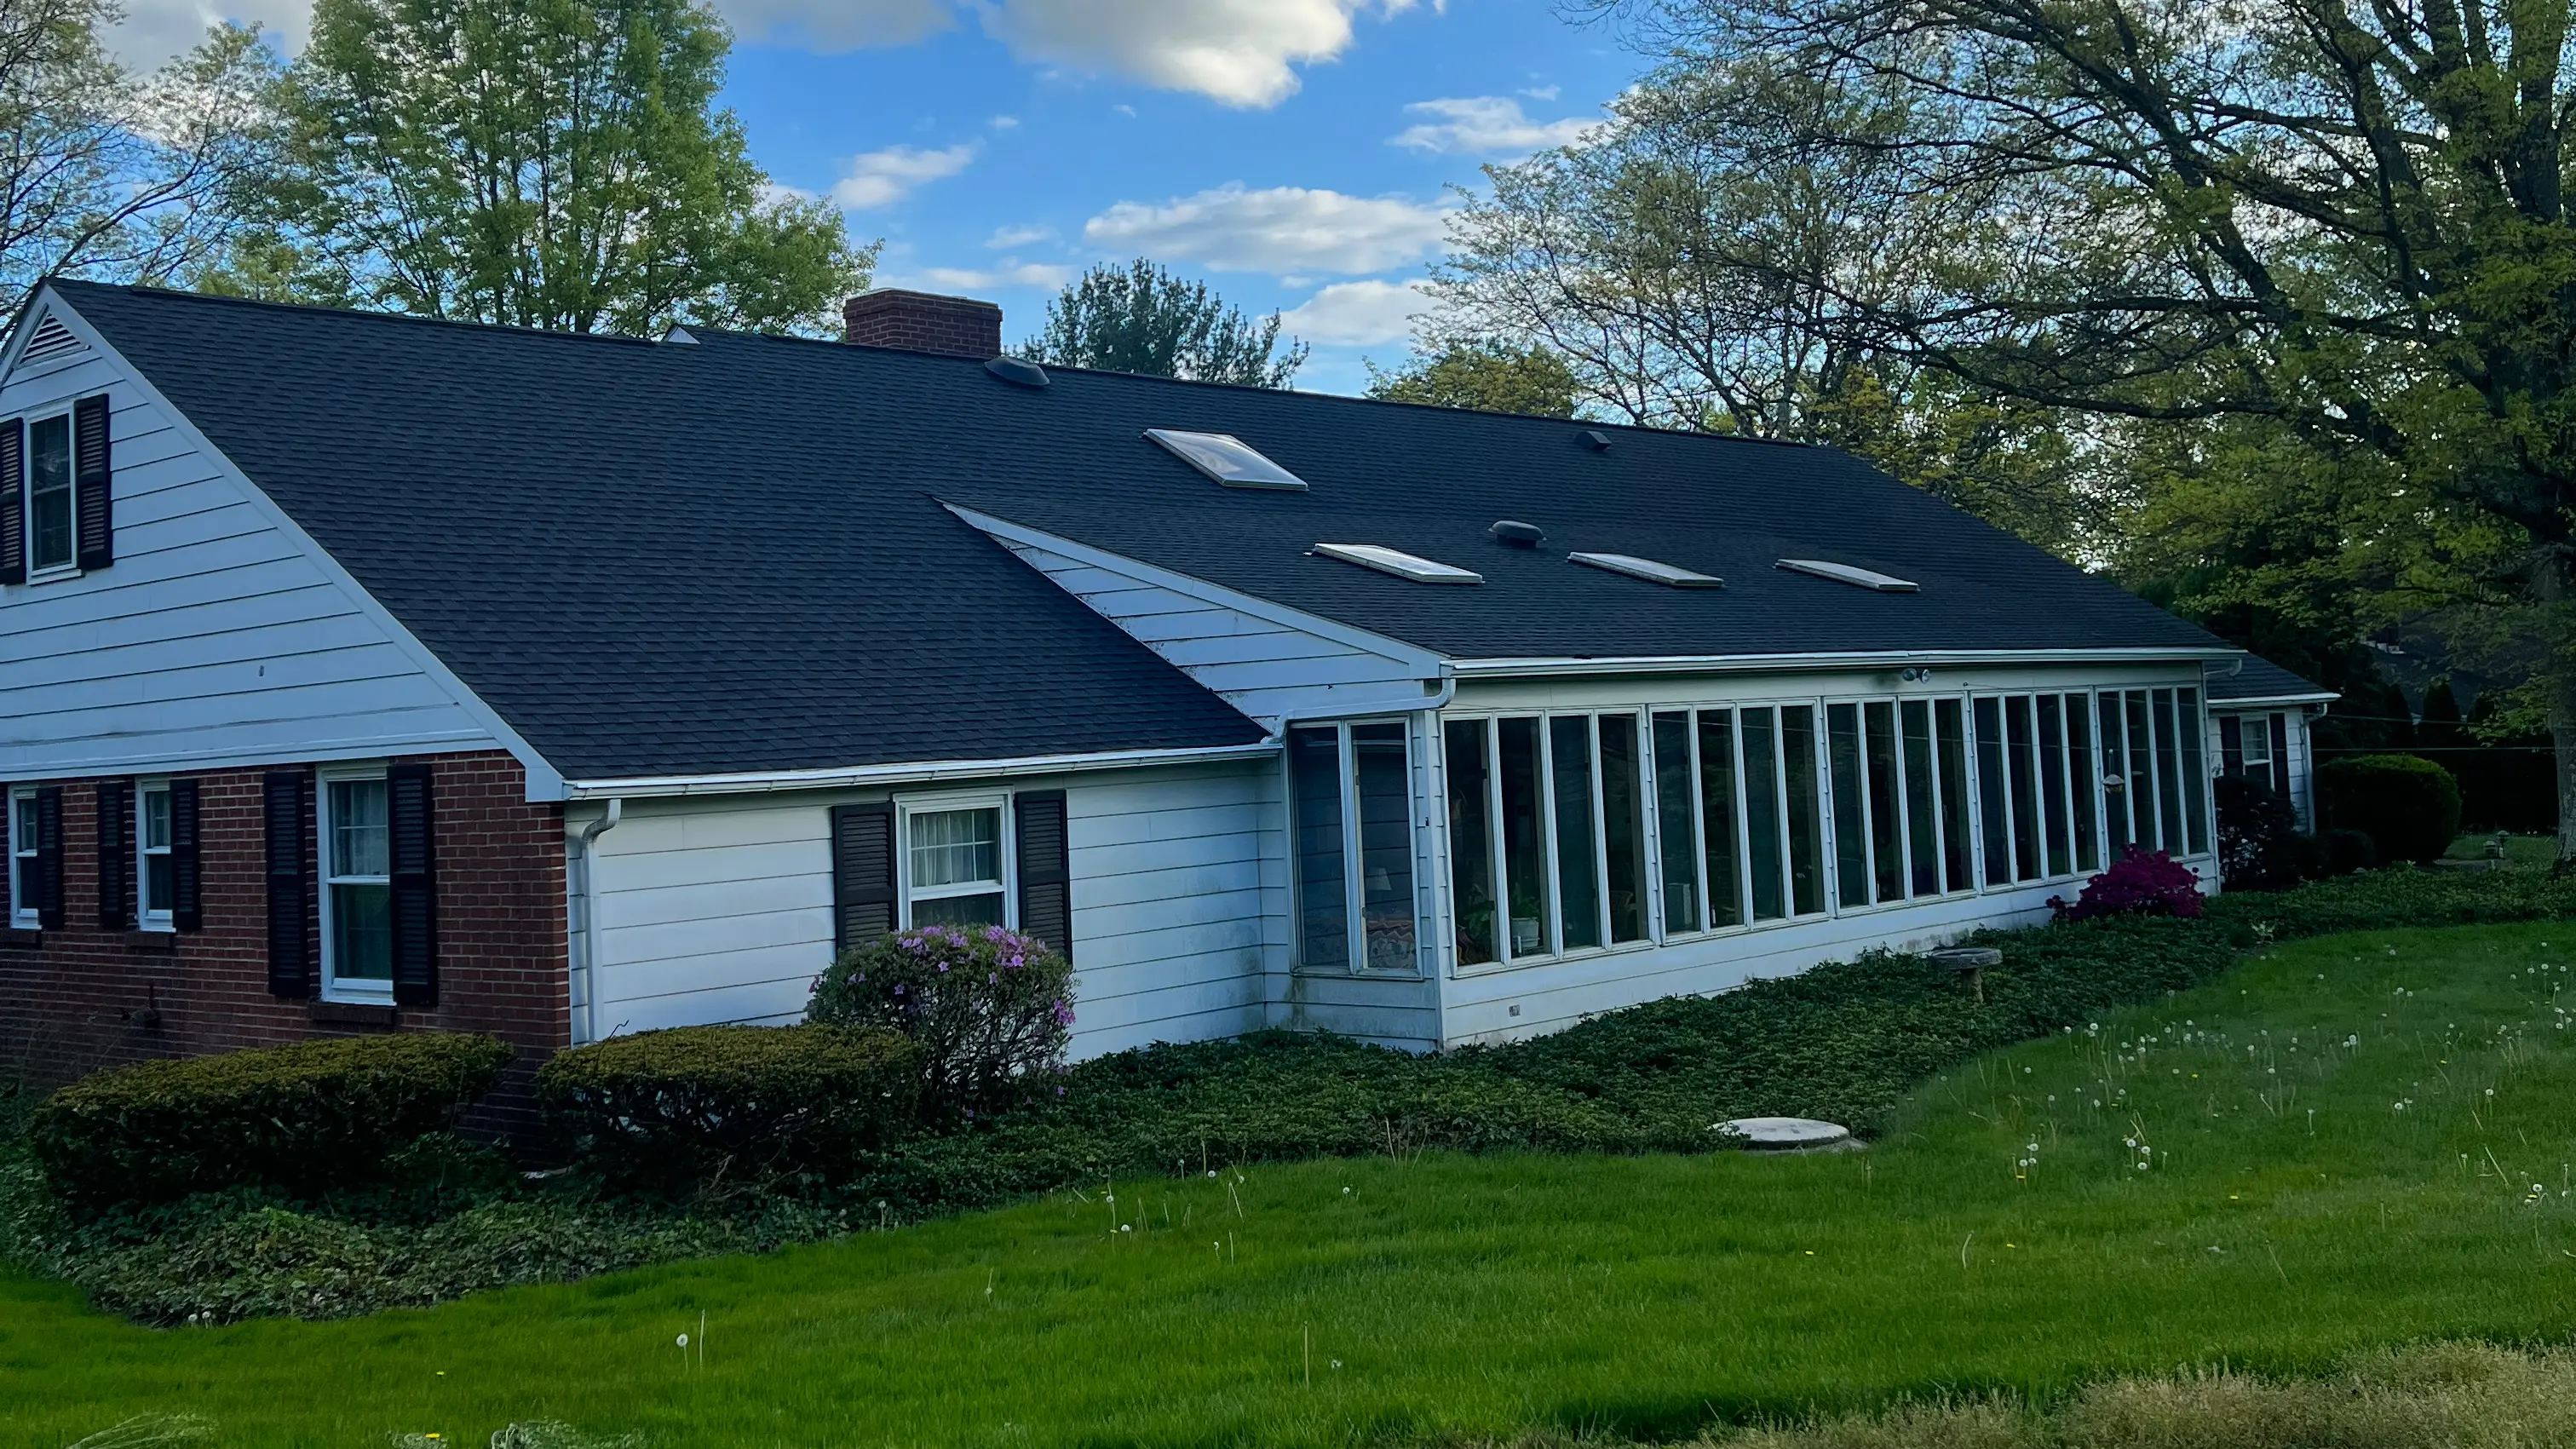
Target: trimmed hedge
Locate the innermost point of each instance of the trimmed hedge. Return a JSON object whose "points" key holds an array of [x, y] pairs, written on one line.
{"points": [[702, 1106], [306, 1118], [2407, 805]]}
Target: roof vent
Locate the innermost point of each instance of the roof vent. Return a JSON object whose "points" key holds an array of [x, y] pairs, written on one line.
{"points": [[50, 339], [1227, 459], [1513, 533], [1017, 371], [1649, 570], [1394, 561], [1858, 578], [679, 337], [1597, 440]]}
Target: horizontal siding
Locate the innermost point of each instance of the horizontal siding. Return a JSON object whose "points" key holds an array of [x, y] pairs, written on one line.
{"points": [[213, 639]]}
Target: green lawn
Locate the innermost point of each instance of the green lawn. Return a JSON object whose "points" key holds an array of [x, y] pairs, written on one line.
{"points": [[2538, 852], [2292, 1211]]}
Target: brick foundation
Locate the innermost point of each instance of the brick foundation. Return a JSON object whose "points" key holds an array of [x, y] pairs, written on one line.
{"points": [[79, 998]]}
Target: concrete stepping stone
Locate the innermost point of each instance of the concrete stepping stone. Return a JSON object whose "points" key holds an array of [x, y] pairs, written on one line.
{"points": [[1788, 1134]]}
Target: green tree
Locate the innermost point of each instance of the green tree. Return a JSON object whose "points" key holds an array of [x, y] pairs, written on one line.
{"points": [[1484, 375], [105, 173], [539, 163], [1140, 318]]}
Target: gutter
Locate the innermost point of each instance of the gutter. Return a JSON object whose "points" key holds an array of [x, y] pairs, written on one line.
{"points": [[765, 781], [1875, 660], [586, 890]]}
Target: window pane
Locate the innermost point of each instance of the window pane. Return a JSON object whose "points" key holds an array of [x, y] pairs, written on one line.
{"points": [[2116, 793], [157, 892], [1991, 792], [976, 910], [1806, 809], [2168, 776], [1623, 824], [2079, 764], [1524, 838], [2052, 780], [2195, 769], [2142, 772], [2251, 746], [156, 820], [1673, 822], [1762, 813], [358, 828], [1851, 830], [1323, 911], [1578, 886], [1922, 821], [2023, 774], [956, 847], [49, 493], [1717, 822], [1886, 815], [1952, 736], [1386, 846], [1471, 840], [362, 932]]}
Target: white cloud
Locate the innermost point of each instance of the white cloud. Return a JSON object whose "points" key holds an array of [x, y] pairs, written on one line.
{"points": [[837, 25], [1359, 314], [1004, 123], [1542, 93], [1011, 273], [1279, 230], [1485, 126], [881, 178], [1241, 52], [155, 30], [1006, 237]]}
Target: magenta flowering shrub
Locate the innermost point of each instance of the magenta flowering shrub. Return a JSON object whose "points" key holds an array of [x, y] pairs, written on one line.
{"points": [[990, 1009], [2139, 883]]}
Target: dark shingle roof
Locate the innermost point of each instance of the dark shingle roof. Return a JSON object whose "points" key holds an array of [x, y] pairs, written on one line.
{"points": [[730, 556], [2260, 678]]}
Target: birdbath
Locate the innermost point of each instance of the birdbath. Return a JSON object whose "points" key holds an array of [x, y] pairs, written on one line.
{"points": [[1970, 962], [1787, 1134]]}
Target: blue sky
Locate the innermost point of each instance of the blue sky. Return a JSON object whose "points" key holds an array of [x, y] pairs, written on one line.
{"points": [[1294, 153]]}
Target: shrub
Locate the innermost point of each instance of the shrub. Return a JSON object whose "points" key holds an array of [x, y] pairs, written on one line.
{"points": [[2139, 883], [2408, 806], [991, 1009], [699, 1106], [2335, 853], [2257, 835], [305, 1118]]}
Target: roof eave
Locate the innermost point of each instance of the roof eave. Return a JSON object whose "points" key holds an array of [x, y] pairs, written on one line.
{"points": [[1852, 659], [757, 782]]}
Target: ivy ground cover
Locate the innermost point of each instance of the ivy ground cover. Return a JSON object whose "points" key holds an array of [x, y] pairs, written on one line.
{"points": [[2348, 1141]]}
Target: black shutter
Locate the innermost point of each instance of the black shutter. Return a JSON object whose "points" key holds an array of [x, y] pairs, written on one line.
{"points": [[49, 858], [290, 894], [2231, 745], [2281, 754], [186, 912], [1046, 881], [862, 873], [13, 501], [115, 855], [412, 848], [92, 490]]}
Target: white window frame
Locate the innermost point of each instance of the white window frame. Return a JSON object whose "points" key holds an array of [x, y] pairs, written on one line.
{"points": [[358, 991], [23, 913], [1354, 871], [2261, 730], [69, 568], [146, 918], [907, 806]]}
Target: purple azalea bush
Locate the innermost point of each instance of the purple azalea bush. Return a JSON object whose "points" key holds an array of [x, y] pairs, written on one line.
{"points": [[2139, 883], [991, 1009]]}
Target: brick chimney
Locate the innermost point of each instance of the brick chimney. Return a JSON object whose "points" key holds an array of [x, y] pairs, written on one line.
{"points": [[924, 322]]}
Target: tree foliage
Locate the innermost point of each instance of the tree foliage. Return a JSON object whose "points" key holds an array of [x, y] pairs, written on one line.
{"points": [[537, 163], [104, 173], [1484, 375], [1140, 318]]}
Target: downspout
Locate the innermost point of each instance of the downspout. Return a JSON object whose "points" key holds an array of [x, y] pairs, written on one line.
{"points": [[586, 890]]}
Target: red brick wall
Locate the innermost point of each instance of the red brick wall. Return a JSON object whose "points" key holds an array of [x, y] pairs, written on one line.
{"points": [[78, 998], [924, 322]]}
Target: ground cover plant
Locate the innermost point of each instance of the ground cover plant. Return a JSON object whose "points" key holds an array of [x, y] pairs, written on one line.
{"points": [[2275, 1170]]}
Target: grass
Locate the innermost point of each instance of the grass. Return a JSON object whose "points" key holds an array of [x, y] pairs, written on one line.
{"points": [[2536, 852], [1441, 1296]]}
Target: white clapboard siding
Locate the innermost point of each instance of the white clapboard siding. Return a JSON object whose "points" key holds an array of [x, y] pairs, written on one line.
{"points": [[720, 908], [217, 636]]}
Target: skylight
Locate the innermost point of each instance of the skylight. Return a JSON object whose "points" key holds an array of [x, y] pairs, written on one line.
{"points": [[1649, 570], [1394, 561], [1858, 578], [1227, 459]]}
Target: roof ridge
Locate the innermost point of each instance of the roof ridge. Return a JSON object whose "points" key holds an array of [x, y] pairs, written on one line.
{"points": [[326, 309]]}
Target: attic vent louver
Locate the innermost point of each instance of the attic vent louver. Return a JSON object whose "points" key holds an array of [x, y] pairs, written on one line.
{"points": [[1597, 440], [1227, 459], [1649, 570], [1399, 563], [1512, 533], [1858, 578], [51, 339], [1017, 371]]}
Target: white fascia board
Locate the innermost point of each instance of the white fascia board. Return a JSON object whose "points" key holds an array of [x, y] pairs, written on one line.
{"points": [[545, 782], [2271, 701], [908, 773], [1779, 663], [1424, 661]]}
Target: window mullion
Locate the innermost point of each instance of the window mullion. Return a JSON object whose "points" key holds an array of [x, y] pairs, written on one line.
{"points": [[1547, 832], [1600, 833], [1356, 926], [1650, 813], [1495, 849]]}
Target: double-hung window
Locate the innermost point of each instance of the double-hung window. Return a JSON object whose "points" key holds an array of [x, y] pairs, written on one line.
{"points": [[955, 863], [153, 869], [1900, 787], [51, 534], [25, 864], [1351, 795], [357, 888]]}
